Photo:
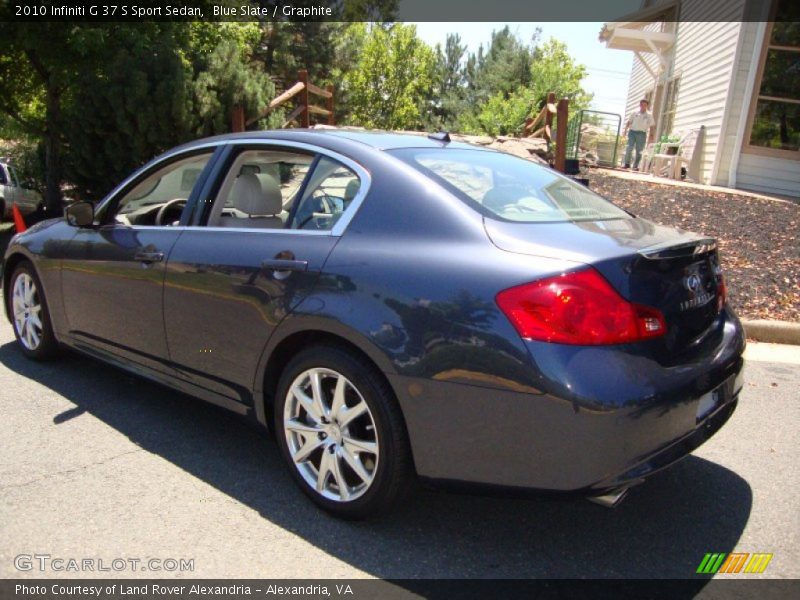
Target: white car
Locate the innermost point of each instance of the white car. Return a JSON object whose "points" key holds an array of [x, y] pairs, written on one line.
{"points": [[12, 192]]}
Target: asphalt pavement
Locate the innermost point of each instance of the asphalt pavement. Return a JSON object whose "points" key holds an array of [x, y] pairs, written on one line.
{"points": [[98, 464]]}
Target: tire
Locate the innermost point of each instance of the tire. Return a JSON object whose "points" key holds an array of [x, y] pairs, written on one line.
{"points": [[369, 452], [25, 293]]}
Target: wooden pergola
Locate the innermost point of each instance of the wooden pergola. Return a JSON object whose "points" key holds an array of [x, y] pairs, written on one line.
{"points": [[303, 111]]}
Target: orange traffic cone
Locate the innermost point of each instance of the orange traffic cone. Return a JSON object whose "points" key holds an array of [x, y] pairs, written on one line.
{"points": [[19, 222]]}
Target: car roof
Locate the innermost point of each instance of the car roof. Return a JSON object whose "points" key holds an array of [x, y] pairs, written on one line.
{"points": [[328, 137], [388, 140]]}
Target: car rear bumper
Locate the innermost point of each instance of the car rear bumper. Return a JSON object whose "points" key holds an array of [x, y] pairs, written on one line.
{"points": [[603, 418]]}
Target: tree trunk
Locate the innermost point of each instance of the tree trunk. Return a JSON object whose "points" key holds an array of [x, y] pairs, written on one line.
{"points": [[52, 152]]}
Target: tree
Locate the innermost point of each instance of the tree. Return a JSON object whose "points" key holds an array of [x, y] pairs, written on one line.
{"points": [[162, 85], [393, 78], [505, 66], [552, 69], [132, 106], [226, 80], [449, 88], [38, 64]]}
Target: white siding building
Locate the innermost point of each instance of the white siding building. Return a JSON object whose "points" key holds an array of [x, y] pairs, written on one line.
{"points": [[732, 66]]}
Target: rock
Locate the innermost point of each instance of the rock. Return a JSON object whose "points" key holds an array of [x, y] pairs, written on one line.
{"points": [[481, 140]]}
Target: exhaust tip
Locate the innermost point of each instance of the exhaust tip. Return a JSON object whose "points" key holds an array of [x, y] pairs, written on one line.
{"points": [[610, 499]]}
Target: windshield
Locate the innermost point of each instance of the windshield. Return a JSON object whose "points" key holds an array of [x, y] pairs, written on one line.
{"points": [[510, 188]]}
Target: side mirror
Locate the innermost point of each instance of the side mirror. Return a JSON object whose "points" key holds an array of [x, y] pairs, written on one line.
{"points": [[80, 214]]}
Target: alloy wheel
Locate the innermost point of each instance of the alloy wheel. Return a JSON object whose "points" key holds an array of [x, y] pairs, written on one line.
{"points": [[26, 307], [331, 434]]}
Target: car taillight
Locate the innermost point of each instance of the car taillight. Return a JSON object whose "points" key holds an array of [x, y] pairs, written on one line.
{"points": [[579, 308]]}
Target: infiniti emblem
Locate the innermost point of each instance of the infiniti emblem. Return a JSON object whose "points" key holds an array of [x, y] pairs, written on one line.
{"points": [[693, 283]]}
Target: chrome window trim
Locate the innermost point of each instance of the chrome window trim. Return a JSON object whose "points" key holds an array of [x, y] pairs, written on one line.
{"points": [[337, 230], [148, 166]]}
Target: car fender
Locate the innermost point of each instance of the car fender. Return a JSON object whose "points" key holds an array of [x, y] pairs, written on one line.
{"points": [[301, 321], [36, 246]]}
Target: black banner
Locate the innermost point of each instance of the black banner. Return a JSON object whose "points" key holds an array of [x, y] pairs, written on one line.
{"points": [[379, 10], [358, 589]]}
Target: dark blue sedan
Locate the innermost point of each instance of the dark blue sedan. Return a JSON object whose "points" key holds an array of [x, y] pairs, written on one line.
{"points": [[394, 307]]}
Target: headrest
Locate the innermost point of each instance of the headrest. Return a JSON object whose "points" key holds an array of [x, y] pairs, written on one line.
{"points": [[352, 189], [498, 197], [257, 194]]}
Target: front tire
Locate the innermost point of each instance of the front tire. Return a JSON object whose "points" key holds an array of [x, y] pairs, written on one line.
{"points": [[30, 317], [341, 433]]}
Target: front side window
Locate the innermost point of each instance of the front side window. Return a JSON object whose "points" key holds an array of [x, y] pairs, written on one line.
{"points": [[13, 173], [509, 188], [776, 118], [160, 197]]}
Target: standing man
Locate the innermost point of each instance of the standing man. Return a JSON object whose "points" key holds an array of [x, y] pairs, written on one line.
{"points": [[638, 131]]}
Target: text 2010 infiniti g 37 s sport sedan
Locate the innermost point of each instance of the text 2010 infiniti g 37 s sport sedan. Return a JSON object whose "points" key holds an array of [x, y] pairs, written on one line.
{"points": [[395, 306]]}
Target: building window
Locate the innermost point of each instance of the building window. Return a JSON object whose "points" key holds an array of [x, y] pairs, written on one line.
{"points": [[775, 120], [671, 102]]}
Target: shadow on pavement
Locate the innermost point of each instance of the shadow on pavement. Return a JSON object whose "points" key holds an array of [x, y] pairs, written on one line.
{"points": [[662, 529]]}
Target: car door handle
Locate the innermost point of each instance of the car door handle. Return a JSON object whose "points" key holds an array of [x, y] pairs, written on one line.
{"points": [[149, 257], [284, 264]]}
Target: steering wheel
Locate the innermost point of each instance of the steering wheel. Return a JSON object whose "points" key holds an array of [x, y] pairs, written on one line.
{"points": [[168, 206]]}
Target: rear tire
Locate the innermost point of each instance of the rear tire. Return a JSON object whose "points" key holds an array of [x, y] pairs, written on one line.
{"points": [[341, 433], [30, 317]]}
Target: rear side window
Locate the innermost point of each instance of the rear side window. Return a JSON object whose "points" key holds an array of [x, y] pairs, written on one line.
{"points": [[330, 190], [509, 188]]}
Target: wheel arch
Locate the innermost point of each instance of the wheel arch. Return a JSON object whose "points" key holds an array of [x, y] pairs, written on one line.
{"points": [[281, 350], [8, 270]]}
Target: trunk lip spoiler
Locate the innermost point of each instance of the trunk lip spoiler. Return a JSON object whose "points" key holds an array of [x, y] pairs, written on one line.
{"points": [[684, 249]]}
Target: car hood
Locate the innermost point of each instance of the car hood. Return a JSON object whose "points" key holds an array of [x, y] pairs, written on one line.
{"points": [[586, 241]]}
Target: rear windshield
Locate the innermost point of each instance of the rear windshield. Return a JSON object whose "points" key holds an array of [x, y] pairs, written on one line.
{"points": [[510, 188]]}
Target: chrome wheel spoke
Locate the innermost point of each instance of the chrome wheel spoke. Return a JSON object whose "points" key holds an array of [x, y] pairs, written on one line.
{"points": [[338, 477], [348, 414], [28, 285], [17, 305], [338, 397], [302, 428], [353, 461], [324, 470], [311, 444], [34, 319], [318, 394], [355, 445], [307, 403], [32, 336]]}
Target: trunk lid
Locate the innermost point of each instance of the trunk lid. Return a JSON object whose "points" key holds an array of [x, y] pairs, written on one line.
{"points": [[670, 269]]}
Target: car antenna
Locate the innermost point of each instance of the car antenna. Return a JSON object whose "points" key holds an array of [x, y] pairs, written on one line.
{"points": [[440, 136]]}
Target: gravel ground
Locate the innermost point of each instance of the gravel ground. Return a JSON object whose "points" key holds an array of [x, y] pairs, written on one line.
{"points": [[758, 238]]}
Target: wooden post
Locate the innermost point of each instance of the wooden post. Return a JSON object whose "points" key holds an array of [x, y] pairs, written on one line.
{"points": [[562, 116], [331, 120], [548, 117], [237, 118], [305, 117], [526, 130]]}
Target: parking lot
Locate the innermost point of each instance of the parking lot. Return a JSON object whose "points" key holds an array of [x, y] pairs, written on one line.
{"points": [[98, 464]]}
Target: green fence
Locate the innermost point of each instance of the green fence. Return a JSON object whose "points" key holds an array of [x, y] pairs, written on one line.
{"points": [[597, 132]]}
